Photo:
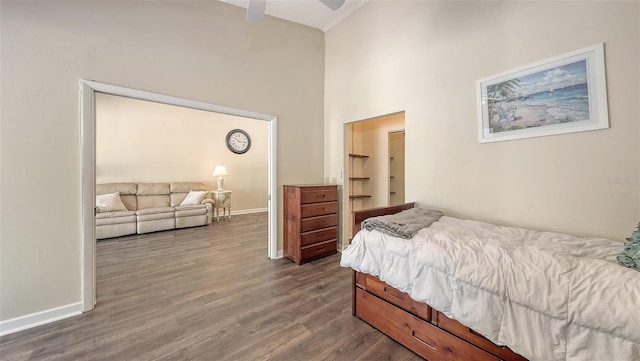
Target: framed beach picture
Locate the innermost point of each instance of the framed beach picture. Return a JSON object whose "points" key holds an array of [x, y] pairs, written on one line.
{"points": [[564, 94]]}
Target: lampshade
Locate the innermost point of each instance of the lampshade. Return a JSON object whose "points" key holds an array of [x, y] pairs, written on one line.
{"points": [[220, 170]]}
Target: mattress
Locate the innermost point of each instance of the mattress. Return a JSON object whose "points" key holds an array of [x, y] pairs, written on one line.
{"points": [[548, 296]]}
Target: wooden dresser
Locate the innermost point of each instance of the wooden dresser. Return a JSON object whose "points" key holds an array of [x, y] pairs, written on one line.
{"points": [[310, 221]]}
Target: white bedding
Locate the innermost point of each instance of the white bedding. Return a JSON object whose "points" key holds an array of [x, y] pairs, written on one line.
{"points": [[548, 296]]}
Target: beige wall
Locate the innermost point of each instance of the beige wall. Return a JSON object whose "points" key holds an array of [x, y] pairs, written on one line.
{"points": [[200, 50], [140, 141], [425, 57]]}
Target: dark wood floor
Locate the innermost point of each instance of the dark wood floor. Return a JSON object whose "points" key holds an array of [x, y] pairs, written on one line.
{"points": [[209, 293]]}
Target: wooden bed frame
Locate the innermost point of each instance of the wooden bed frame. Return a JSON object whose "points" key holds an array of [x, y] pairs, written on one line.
{"points": [[416, 325]]}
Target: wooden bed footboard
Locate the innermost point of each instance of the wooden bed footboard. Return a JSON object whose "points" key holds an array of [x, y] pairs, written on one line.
{"points": [[416, 325]]}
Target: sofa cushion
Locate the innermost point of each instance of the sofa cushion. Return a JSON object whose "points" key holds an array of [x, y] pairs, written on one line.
{"points": [[116, 218], [180, 190], [152, 189], [185, 187], [194, 198], [153, 195], [127, 192], [156, 210], [122, 188], [116, 214], [189, 211], [154, 214], [194, 206], [161, 201], [109, 202]]}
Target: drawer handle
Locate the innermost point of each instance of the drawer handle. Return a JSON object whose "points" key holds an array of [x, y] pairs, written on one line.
{"points": [[321, 209], [422, 341], [321, 249], [393, 293], [321, 196]]}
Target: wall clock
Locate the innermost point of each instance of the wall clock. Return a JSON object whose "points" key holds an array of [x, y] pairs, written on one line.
{"points": [[238, 141]]}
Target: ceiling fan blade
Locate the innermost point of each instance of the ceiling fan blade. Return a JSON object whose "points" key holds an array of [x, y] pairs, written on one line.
{"points": [[255, 10], [333, 4]]}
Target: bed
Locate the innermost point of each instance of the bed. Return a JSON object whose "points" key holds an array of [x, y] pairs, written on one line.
{"points": [[468, 290]]}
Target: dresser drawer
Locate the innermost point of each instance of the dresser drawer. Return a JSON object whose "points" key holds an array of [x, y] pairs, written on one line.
{"points": [[318, 209], [468, 334], [320, 235], [318, 250], [310, 224], [420, 336], [318, 194], [373, 285]]}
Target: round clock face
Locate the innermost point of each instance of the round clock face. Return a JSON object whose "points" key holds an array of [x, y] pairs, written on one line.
{"points": [[238, 141]]}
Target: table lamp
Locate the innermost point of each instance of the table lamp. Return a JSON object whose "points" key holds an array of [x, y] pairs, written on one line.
{"points": [[220, 170]]}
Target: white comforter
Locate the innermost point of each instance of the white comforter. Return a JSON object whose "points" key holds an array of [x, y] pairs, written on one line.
{"points": [[548, 296]]}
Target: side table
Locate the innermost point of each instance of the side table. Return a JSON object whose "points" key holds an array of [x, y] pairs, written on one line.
{"points": [[223, 200]]}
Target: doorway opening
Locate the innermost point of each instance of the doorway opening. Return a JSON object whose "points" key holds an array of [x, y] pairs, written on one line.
{"points": [[369, 146], [88, 90]]}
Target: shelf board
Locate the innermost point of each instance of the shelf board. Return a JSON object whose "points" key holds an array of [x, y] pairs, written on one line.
{"points": [[359, 178], [358, 196], [352, 155]]}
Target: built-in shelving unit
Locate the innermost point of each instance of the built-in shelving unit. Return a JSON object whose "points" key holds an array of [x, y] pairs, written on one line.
{"points": [[357, 194], [353, 155]]}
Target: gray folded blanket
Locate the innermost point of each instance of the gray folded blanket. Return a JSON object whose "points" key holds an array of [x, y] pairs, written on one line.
{"points": [[630, 256], [404, 224]]}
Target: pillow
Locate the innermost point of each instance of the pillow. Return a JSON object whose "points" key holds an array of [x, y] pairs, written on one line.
{"points": [[110, 202], [194, 198]]}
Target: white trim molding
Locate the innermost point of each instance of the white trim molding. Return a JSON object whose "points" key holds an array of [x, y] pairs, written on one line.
{"points": [[249, 211], [39, 318]]}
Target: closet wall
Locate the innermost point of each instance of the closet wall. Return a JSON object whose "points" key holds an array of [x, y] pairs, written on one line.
{"points": [[396, 168]]}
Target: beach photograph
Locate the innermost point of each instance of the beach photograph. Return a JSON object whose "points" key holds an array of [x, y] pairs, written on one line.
{"points": [[552, 96]]}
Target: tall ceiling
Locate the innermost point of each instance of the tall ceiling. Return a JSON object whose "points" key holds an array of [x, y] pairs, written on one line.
{"points": [[306, 12]]}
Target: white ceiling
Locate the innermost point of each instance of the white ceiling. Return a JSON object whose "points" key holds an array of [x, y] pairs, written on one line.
{"points": [[307, 12]]}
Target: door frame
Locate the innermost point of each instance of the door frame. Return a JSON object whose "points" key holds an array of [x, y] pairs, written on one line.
{"points": [[88, 88]]}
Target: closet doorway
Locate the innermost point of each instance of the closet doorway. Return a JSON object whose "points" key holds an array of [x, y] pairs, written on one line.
{"points": [[374, 166]]}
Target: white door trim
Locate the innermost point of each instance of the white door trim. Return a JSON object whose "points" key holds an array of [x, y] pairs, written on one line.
{"points": [[88, 88]]}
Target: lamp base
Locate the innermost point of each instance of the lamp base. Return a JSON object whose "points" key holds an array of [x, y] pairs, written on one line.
{"points": [[220, 182]]}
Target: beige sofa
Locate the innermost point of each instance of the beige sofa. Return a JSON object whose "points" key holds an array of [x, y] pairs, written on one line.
{"points": [[150, 207]]}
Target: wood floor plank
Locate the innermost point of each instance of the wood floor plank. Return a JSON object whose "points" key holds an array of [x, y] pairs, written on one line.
{"points": [[209, 293]]}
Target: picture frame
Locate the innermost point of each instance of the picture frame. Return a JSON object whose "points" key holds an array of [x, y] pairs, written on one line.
{"points": [[563, 94]]}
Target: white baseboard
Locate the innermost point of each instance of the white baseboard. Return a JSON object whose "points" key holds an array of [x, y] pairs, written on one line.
{"points": [[247, 211], [39, 318]]}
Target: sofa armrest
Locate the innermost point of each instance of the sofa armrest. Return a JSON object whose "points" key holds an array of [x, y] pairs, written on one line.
{"points": [[209, 206]]}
